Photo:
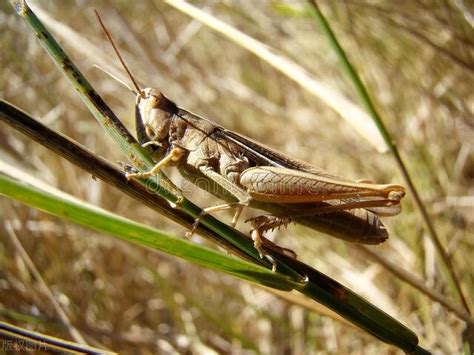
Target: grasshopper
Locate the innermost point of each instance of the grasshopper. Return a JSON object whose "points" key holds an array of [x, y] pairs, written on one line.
{"points": [[244, 173], [251, 172]]}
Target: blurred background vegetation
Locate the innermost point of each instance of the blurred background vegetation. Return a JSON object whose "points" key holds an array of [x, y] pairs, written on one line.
{"points": [[417, 60]]}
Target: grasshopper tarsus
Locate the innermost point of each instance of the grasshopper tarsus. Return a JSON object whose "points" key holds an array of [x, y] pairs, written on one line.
{"points": [[195, 224], [127, 168], [258, 244], [189, 234], [262, 224], [273, 262]]}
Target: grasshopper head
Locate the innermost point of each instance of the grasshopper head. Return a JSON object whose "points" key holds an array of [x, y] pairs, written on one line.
{"points": [[153, 114]]}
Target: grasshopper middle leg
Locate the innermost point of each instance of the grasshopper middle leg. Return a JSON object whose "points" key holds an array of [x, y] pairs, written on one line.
{"points": [[242, 196]]}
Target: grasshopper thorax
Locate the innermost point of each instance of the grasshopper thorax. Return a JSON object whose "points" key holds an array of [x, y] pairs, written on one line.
{"points": [[153, 115]]}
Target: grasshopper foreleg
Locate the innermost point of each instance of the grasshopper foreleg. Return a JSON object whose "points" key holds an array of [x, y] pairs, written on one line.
{"points": [[174, 155]]}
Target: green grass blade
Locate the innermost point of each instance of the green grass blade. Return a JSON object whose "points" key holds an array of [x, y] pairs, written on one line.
{"points": [[356, 309], [322, 289], [160, 185], [318, 287], [103, 221]]}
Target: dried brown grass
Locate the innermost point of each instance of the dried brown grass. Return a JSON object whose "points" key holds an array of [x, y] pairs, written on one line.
{"points": [[127, 298]]}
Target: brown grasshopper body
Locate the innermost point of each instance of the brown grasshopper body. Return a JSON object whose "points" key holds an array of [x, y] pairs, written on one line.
{"points": [[246, 173]]}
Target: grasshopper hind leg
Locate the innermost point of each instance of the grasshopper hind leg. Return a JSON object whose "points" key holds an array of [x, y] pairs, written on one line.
{"points": [[262, 224]]}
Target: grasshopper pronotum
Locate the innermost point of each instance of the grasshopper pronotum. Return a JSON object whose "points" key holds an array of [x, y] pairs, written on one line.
{"points": [[247, 173]]}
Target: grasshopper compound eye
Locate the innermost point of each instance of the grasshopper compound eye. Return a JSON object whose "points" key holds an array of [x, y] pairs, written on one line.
{"points": [[154, 113]]}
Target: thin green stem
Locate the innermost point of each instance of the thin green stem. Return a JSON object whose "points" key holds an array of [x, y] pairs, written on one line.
{"points": [[317, 286], [367, 102], [80, 212]]}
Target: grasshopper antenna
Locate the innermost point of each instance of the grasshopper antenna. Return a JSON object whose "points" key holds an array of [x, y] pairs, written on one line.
{"points": [[116, 78], [109, 37]]}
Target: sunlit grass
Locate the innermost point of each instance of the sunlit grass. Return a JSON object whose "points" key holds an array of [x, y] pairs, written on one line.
{"points": [[119, 295]]}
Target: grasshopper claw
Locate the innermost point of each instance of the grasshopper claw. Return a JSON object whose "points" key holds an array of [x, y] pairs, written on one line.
{"points": [[274, 264], [258, 244], [191, 232], [196, 222]]}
